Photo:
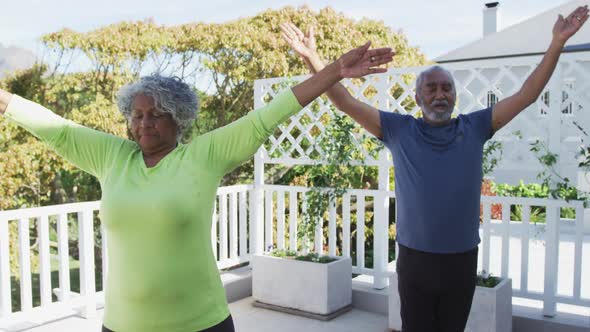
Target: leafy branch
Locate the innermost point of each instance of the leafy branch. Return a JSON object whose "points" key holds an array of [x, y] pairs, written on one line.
{"points": [[329, 181]]}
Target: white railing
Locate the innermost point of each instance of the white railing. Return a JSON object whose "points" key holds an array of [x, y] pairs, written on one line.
{"points": [[47, 219], [546, 257], [230, 231], [556, 249], [282, 212], [229, 235], [536, 276]]}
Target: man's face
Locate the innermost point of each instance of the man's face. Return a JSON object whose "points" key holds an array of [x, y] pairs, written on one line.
{"points": [[436, 97]]}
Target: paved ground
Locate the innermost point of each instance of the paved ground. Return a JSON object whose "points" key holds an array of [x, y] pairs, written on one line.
{"points": [[248, 318]]}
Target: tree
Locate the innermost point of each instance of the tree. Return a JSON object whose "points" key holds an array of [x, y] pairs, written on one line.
{"points": [[231, 56]]}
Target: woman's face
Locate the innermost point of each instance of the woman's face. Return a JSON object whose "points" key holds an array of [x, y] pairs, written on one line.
{"points": [[153, 130]]}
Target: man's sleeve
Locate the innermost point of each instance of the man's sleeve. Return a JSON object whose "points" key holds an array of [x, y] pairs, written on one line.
{"points": [[482, 123], [391, 125]]}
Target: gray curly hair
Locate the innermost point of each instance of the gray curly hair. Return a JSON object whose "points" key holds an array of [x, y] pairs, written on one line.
{"points": [[171, 95]]}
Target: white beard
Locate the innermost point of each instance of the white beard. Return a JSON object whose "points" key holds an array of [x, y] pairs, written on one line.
{"points": [[437, 117]]}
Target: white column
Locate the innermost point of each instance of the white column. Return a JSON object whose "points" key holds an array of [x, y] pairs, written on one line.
{"points": [[86, 246], [381, 224]]}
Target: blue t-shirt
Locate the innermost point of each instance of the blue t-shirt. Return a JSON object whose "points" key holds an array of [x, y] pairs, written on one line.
{"points": [[438, 174]]}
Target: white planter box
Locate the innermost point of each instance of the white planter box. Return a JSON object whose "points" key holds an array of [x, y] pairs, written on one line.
{"points": [[315, 288], [491, 310]]}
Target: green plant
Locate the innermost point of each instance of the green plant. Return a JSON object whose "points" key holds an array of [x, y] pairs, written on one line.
{"points": [[311, 257], [492, 154], [314, 257], [558, 187], [283, 253], [533, 190], [329, 181], [485, 279]]}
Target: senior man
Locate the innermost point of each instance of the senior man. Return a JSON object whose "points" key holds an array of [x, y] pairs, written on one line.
{"points": [[438, 177]]}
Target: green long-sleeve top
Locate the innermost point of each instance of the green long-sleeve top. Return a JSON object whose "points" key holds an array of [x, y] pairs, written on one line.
{"points": [[162, 272]]}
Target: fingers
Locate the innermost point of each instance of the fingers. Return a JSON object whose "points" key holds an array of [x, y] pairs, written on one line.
{"points": [[288, 31], [579, 15], [577, 21], [311, 36], [376, 70], [580, 20], [360, 52], [365, 47], [379, 56], [296, 30], [380, 51], [377, 60], [582, 14], [576, 11], [285, 33], [381, 60], [292, 31], [582, 10], [286, 38]]}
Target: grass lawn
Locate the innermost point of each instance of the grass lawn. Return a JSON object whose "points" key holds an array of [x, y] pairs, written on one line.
{"points": [[35, 279]]}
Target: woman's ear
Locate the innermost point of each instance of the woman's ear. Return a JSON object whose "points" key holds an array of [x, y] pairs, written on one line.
{"points": [[129, 134]]}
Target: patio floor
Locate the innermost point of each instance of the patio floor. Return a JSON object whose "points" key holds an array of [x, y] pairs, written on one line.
{"points": [[248, 318]]}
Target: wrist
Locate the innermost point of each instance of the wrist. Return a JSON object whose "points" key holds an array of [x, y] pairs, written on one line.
{"points": [[558, 42], [335, 68], [5, 98], [309, 65], [316, 62]]}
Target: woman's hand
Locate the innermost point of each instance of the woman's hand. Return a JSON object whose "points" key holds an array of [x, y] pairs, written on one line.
{"points": [[361, 61], [5, 98]]}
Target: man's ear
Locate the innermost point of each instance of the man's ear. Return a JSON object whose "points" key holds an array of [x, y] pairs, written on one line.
{"points": [[418, 100]]}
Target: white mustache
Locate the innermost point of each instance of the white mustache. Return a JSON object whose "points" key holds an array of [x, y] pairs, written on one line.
{"points": [[440, 103]]}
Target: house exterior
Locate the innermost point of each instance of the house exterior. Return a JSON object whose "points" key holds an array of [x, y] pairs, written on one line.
{"points": [[500, 61]]}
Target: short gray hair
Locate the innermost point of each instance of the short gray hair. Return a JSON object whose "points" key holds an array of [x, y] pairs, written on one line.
{"points": [[430, 70], [171, 95]]}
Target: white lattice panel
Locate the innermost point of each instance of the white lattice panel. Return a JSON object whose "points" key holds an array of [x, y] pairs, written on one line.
{"points": [[554, 118], [295, 141]]}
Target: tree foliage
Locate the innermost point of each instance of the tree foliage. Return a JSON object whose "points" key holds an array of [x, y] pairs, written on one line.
{"points": [[230, 56], [83, 71]]}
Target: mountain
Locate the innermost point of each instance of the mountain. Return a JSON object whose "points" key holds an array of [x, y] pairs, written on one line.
{"points": [[14, 58]]}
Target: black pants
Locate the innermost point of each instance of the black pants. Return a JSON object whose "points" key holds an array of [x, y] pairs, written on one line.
{"points": [[226, 326], [435, 290]]}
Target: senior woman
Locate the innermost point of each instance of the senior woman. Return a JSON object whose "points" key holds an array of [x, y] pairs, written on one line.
{"points": [[158, 194]]}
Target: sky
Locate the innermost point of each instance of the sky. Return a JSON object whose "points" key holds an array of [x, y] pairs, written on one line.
{"points": [[437, 27]]}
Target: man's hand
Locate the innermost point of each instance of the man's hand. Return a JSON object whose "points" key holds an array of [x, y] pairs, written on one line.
{"points": [[356, 63], [359, 62], [303, 44], [564, 28]]}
